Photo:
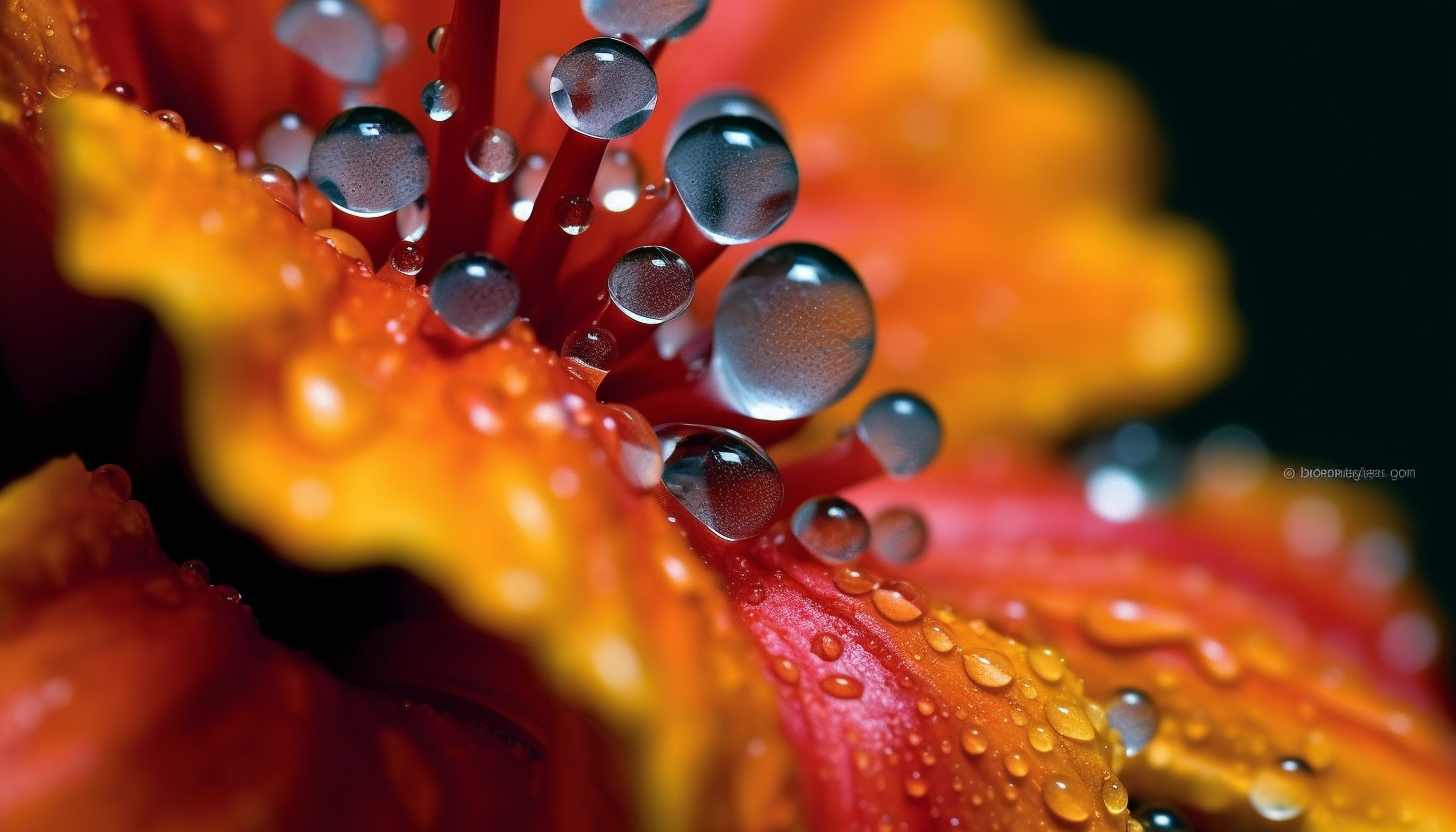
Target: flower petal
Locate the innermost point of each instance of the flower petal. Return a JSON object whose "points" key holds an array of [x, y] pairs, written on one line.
{"points": [[324, 421]]}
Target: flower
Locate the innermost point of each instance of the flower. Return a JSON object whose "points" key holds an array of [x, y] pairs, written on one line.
{"points": [[332, 414]]}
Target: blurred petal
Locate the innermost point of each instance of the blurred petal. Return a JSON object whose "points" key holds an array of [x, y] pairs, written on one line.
{"points": [[322, 420]]}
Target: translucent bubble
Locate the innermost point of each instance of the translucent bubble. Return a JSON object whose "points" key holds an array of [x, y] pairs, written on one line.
{"points": [[902, 431], [1282, 791], [618, 185], [337, 36], [898, 535], [725, 103], [793, 333], [646, 20], [60, 81], [736, 177], [492, 154], [1116, 494], [435, 38], [1135, 716], [574, 213], [831, 528], [413, 220], [171, 119], [286, 141], [721, 477], [475, 294], [440, 99], [121, 89], [279, 184], [369, 161], [527, 184], [603, 88], [651, 284], [407, 258], [1162, 819]]}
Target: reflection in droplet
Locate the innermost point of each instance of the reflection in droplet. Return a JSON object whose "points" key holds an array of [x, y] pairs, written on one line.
{"points": [[721, 477], [337, 36], [830, 528], [369, 161], [475, 294], [413, 220], [736, 176], [603, 88], [902, 431]]}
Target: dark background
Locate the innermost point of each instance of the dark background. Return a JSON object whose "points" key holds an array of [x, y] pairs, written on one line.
{"points": [[1316, 146]]}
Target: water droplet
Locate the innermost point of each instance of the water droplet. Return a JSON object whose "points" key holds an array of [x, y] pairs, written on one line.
{"points": [[793, 333], [826, 646], [228, 593], [1040, 738], [369, 161], [785, 669], [435, 38], [645, 20], [279, 184], [111, 481], [492, 155], [475, 294], [898, 535], [337, 36], [916, 786], [651, 284], [989, 668], [286, 141], [1066, 799], [1283, 791], [574, 213], [618, 185], [171, 119], [121, 89], [641, 455], [603, 88], [938, 636], [973, 743], [1162, 819], [1069, 720], [1016, 765], [855, 580], [195, 574], [723, 103], [407, 258], [1047, 663], [1114, 796], [413, 220], [925, 707], [440, 99], [60, 81], [1134, 716], [842, 687], [736, 176], [721, 477], [831, 528], [595, 347], [902, 431], [755, 595], [899, 601]]}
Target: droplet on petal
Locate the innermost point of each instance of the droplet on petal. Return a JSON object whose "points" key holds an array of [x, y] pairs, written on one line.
{"points": [[651, 284], [989, 668], [1067, 799], [370, 161], [492, 154], [286, 141], [60, 81], [831, 528], [407, 258], [603, 88], [899, 601], [337, 36], [1282, 791], [440, 99], [736, 176], [793, 333], [475, 294], [645, 20], [723, 478], [1134, 715]]}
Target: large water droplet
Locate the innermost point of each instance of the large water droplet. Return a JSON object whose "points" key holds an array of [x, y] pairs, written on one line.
{"points": [[721, 477], [1047, 662], [651, 284], [842, 687], [831, 528], [618, 185], [1282, 791], [1069, 720], [1134, 715], [1114, 796], [337, 36], [645, 20], [726, 103], [286, 141], [900, 601], [1162, 819], [603, 88], [736, 177], [440, 99], [989, 668], [1067, 799], [641, 455], [902, 431], [898, 535], [436, 38], [475, 294], [793, 333], [938, 636], [370, 161]]}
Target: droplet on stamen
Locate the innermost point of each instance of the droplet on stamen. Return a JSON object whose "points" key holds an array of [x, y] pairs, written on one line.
{"points": [[725, 103], [898, 535], [723, 478], [832, 529], [171, 119], [475, 294], [285, 140], [603, 88], [436, 38], [594, 347], [440, 99], [902, 431], [337, 36], [370, 161], [407, 258], [645, 20], [736, 176], [651, 284], [492, 154], [574, 213]]}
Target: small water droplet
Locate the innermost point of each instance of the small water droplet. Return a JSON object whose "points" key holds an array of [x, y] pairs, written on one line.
{"points": [[440, 99], [475, 294], [604, 88], [60, 81], [369, 161], [830, 528], [793, 333], [1066, 799], [902, 431], [1114, 796], [121, 89], [898, 535], [925, 707], [721, 477], [436, 38], [842, 687], [1069, 720], [171, 119], [645, 20], [1047, 663], [228, 593], [407, 258], [1282, 791], [413, 220], [1134, 715], [785, 669], [755, 595], [492, 154], [989, 668], [337, 36], [1016, 765], [826, 646], [279, 184], [1040, 738], [574, 213], [651, 284], [938, 636], [736, 176], [916, 784], [1162, 819], [595, 347], [195, 574], [286, 141], [855, 580], [899, 601], [618, 185], [973, 743]]}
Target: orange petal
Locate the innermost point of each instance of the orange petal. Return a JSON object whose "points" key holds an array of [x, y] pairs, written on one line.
{"points": [[1250, 657], [324, 421]]}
